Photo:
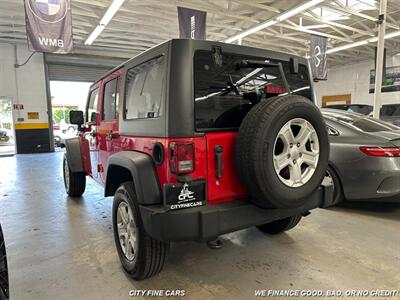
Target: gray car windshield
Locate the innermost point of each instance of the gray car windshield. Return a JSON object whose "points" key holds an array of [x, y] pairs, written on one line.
{"points": [[225, 92]]}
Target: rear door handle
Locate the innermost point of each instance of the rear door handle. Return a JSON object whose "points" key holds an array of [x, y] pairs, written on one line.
{"points": [[218, 160]]}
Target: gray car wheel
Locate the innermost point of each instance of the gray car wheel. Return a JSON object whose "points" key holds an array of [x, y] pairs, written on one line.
{"points": [[332, 178]]}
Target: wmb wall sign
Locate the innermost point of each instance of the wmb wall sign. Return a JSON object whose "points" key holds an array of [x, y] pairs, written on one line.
{"points": [[48, 25]]}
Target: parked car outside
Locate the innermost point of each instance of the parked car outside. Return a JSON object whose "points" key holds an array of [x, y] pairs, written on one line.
{"points": [[196, 145], [5, 136], [364, 162], [57, 134]]}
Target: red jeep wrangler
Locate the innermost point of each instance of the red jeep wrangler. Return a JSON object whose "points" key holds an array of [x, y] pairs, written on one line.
{"points": [[195, 139]]}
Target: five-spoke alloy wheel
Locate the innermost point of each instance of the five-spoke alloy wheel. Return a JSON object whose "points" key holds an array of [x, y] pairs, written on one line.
{"points": [[141, 255], [296, 152], [127, 231]]}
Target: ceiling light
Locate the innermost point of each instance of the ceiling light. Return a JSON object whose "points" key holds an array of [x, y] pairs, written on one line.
{"points": [[111, 11], [94, 34], [348, 46], [363, 42], [279, 18], [250, 31]]}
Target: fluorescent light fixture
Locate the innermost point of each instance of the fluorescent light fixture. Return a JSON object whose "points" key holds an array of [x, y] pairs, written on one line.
{"points": [[392, 35], [94, 34], [363, 42], [250, 31], [348, 46], [279, 18], [111, 11]]}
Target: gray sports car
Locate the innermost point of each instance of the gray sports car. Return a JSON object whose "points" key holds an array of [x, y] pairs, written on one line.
{"points": [[364, 158]]}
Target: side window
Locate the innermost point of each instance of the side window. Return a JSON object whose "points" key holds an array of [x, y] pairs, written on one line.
{"points": [[145, 89], [110, 100], [92, 107]]}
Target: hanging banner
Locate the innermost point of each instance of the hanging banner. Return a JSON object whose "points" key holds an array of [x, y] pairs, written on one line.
{"points": [[49, 26], [192, 23], [318, 57]]}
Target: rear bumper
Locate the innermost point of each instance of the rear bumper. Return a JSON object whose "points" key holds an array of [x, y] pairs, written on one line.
{"points": [[208, 222]]}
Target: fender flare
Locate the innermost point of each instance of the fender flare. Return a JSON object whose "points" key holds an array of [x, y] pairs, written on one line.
{"points": [[142, 171], [74, 155]]}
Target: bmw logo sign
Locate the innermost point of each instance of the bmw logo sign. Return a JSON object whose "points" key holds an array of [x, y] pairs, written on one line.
{"points": [[49, 11]]}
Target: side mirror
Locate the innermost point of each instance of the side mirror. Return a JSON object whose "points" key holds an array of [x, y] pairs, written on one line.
{"points": [[76, 117]]}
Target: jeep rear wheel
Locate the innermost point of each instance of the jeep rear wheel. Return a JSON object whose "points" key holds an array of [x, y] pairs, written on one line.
{"points": [[282, 151], [74, 182], [280, 225], [140, 255]]}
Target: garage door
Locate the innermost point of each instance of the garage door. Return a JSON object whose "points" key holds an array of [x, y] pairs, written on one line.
{"points": [[75, 73], [78, 68]]}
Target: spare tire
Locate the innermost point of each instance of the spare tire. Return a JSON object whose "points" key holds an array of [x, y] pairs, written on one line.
{"points": [[282, 151]]}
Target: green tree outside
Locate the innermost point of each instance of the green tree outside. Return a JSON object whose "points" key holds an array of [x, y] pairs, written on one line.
{"points": [[61, 114]]}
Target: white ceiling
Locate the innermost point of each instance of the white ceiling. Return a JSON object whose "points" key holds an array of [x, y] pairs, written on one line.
{"points": [[139, 24]]}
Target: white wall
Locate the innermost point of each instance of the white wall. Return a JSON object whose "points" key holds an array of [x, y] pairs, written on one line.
{"points": [[24, 85], [354, 79]]}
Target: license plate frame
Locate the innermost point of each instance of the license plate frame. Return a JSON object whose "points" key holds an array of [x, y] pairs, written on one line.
{"points": [[185, 195]]}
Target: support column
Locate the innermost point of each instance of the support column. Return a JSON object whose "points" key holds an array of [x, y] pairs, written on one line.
{"points": [[379, 59]]}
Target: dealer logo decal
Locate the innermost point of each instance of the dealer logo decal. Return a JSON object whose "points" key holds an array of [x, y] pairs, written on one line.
{"points": [[186, 194]]}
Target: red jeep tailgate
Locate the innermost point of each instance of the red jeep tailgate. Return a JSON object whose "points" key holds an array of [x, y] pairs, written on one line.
{"points": [[227, 187]]}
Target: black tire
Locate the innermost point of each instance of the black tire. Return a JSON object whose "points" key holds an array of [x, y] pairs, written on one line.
{"points": [[255, 149], [74, 182], [280, 226], [4, 282], [337, 186], [151, 253]]}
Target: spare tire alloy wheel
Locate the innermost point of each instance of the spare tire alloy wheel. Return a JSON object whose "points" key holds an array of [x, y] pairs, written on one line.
{"points": [[127, 231], [282, 151], [296, 152]]}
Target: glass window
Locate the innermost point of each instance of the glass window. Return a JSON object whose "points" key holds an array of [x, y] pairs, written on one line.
{"points": [[362, 123], [92, 107], [145, 89], [389, 110], [110, 100], [224, 93]]}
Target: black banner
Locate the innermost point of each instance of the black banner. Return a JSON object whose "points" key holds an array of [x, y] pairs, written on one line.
{"points": [[318, 57], [49, 26], [192, 23]]}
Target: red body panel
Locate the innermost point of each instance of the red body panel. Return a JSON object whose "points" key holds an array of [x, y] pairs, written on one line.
{"points": [[96, 150], [228, 187]]}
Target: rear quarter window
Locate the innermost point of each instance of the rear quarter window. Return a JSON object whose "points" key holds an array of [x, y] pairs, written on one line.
{"points": [[145, 89]]}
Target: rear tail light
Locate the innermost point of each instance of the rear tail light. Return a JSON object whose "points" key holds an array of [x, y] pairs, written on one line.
{"points": [[381, 151], [182, 157]]}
